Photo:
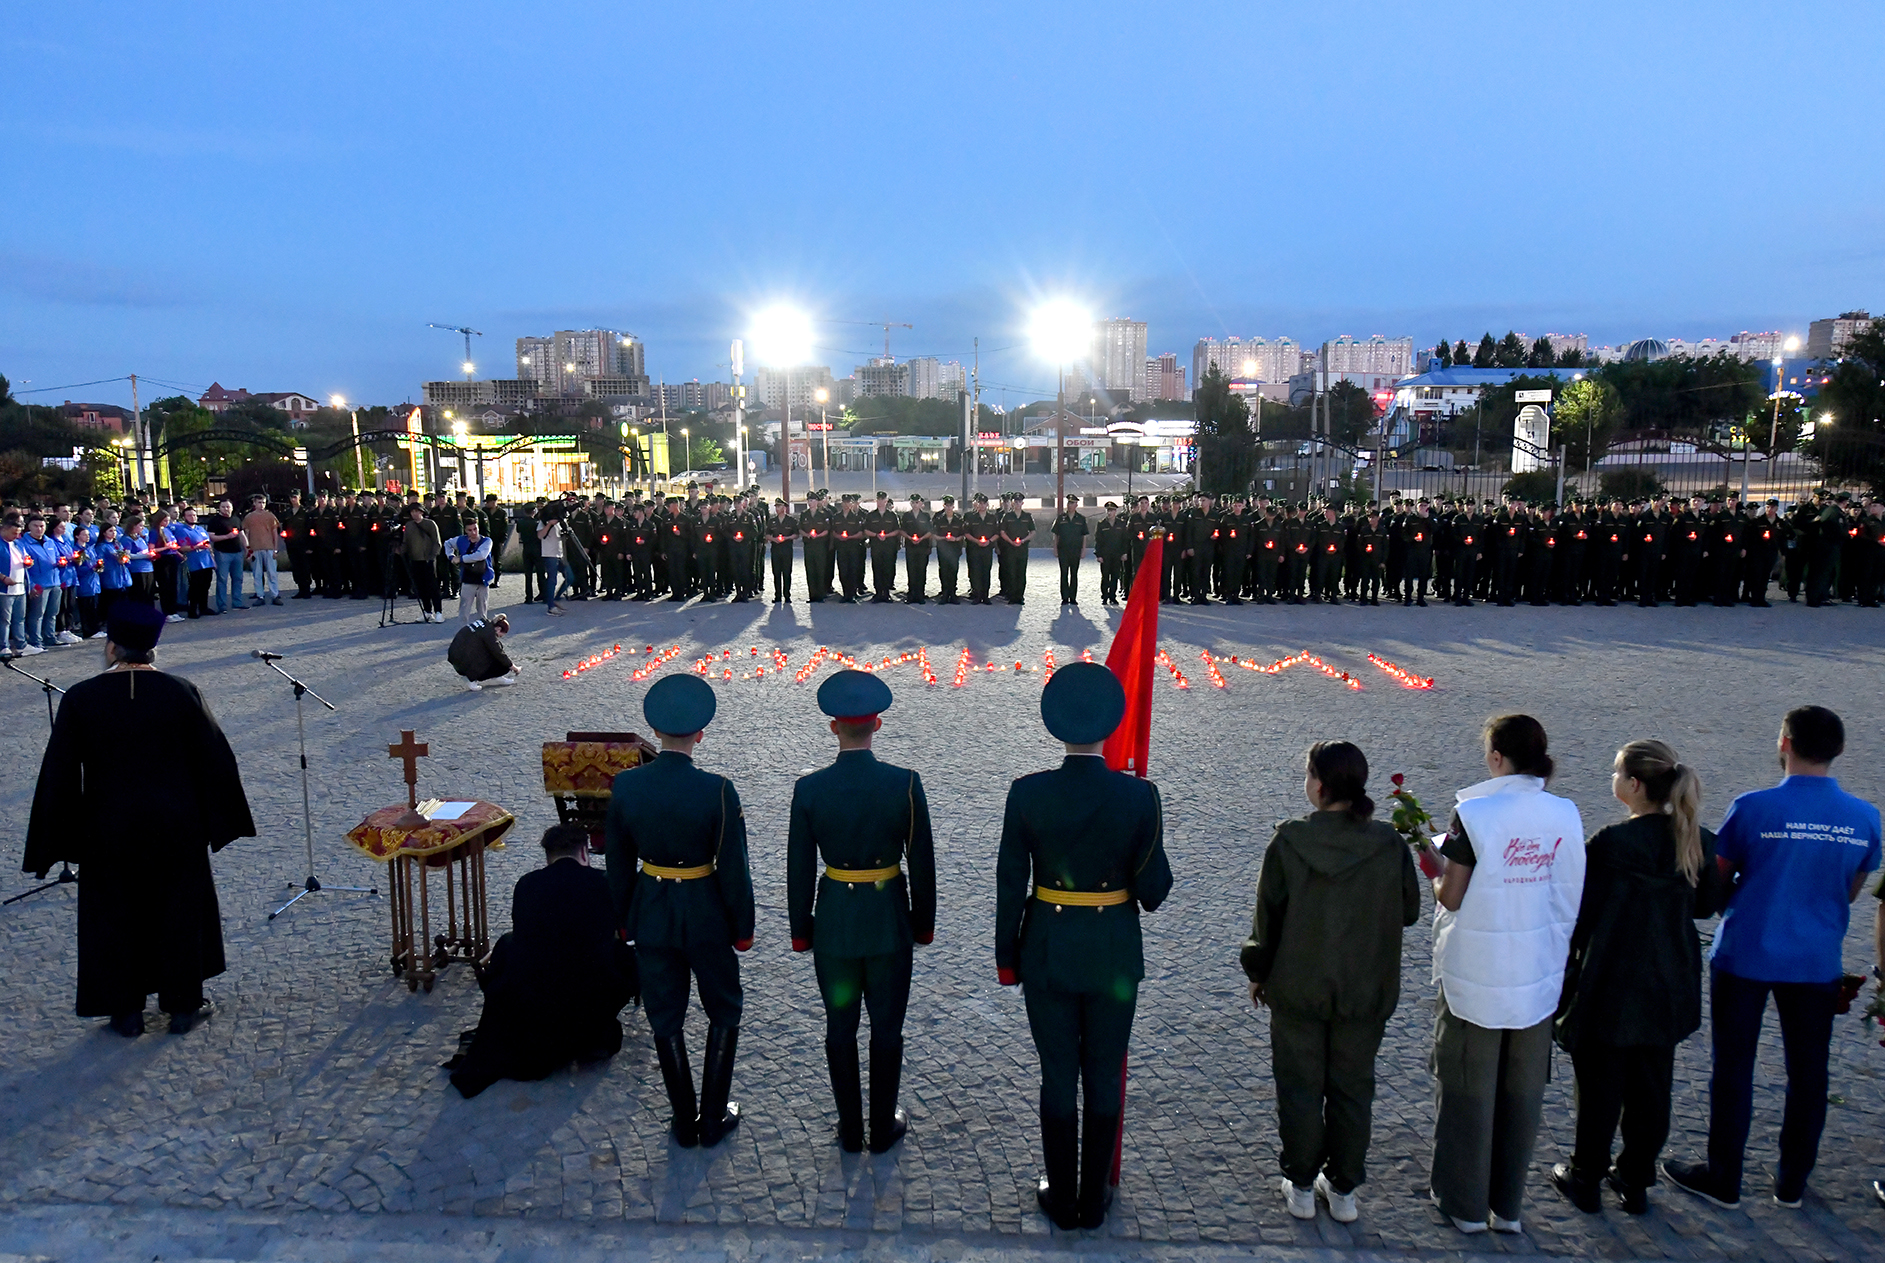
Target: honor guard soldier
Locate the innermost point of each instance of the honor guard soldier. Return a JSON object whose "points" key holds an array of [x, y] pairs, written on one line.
{"points": [[949, 532], [867, 821], [689, 907], [781, 530], [847, 533], [1082, 852], [1017, 530], [498, 527], [297, 536], [1417, 540]]}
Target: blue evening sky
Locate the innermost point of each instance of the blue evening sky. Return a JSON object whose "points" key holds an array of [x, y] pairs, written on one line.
{"points": [[281, 196]]}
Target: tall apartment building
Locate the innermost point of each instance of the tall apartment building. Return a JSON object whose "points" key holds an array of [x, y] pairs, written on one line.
{"points": [[1826, 339], [564, 361], [1562, 342], [1378, 355], [1119, 356], [927, 377], [883, 377], [771, 386], [1258, 359], [1164, 379]]}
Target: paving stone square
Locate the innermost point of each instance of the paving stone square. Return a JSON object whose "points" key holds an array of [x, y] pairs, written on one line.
{"points": [[316, 1091]]}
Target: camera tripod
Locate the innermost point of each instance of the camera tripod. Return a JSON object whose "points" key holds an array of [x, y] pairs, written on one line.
{"points": [[66, 876]]}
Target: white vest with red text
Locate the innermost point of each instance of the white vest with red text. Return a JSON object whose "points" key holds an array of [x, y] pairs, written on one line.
{"points": [[1501, 957]]}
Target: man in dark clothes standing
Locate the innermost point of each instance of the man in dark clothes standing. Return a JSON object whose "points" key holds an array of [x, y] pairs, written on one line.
{"points": [[1082, 851], [689, 906], [557, 980], [866, 820], [140, 833]]}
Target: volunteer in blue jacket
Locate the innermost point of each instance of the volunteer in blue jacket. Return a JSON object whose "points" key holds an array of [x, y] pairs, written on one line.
{"points": [[114, 574], [42, 585], [83, 567], [1798, 855], [198, 560]]}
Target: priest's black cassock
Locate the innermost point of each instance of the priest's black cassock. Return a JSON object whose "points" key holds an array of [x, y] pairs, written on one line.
{"points": [[555, 982], [137, 787]]}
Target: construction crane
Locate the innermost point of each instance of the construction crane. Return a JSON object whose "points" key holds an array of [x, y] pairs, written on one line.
{"points": [[471, 333], [885, 325]]}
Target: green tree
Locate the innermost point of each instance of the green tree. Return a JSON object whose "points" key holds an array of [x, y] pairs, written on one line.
{"points": [[1541, 355], [1583, 419], [1537, 486], [1570, 357], [898, 415], [1443, 354], [1852, 447], [1227, 449], [1351, 413], [703, 452], [1696, 398], [1462, 356], [1487, 356], [1511, 352], [1628, 485]]}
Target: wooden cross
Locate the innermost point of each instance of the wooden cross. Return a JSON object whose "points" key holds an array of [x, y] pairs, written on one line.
{"points": [[411, 751]]}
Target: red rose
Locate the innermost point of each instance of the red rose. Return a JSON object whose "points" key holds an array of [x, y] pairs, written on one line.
{"points": [[1398, 780]]}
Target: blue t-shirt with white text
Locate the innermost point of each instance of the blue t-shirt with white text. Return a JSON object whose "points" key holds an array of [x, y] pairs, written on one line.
{"points": [[1798, 847]]}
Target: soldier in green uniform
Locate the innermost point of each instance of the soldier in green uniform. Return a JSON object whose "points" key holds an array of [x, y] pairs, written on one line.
{"points": [[1371, 543], [688, 908], [1070, 531], [497, 527], [640, 534], [1017, 528], [612, 552], [884, 529], [1112, 542], [947, 529], [1765, 535], [298, 539], [1233, 547], [1417, 541], [868, 822], [1082, 851], [918, 536], [982, 531], [1266, 552], [847, 533], [815, 526], [781, 529], [742, 538]]}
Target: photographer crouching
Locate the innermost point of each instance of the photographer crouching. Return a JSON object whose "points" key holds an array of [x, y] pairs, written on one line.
{"points": [[477, 653]]}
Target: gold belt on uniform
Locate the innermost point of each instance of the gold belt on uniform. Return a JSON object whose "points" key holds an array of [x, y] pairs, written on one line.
{"points": [[862, 876], [1082, 898], [677, 874]]}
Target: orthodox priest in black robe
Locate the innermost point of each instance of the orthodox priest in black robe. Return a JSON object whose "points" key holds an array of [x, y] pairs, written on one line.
{"points": [[137, 787], [556, 981]]}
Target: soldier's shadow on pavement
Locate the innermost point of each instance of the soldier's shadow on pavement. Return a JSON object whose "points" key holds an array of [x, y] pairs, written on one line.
{"points": [[94, 1066], [1071, 627]]}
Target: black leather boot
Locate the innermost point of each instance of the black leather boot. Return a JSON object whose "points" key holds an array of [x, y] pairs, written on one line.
{"points": [[1096, 1168], [848, 1088], [1060, 1153], [718, 1116], [678, 1076], [888, 1123]]}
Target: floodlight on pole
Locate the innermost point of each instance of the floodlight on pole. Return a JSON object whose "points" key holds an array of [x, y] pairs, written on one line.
{"points": [[783, 338], [353, 423], [1061, 331]]}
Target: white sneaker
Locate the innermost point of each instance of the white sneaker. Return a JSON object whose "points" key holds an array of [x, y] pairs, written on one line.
{"points": [[474, 686], [502, 680], [30, 650], [1467, 1226], [67, 638], [97, 635], [1300, 1201], [1342, 1208], [176, 618], [1500, 1224]]}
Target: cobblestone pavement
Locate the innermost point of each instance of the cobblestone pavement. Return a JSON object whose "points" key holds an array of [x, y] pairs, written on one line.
{"points": [[316, 1089]]}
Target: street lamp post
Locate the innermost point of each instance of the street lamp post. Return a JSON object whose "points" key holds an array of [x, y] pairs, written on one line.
{"points": [[353, 423], [1061, 331], [1780, 385], [824, 426], [785, 341]]}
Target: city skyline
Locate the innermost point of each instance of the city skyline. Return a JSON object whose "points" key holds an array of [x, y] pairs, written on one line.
{"points": [[211, 226]]}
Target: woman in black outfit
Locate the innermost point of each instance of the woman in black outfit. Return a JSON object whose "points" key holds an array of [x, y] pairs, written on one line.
{"points": [[1633, 990]]}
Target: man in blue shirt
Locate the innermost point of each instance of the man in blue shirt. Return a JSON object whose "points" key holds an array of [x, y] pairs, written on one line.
{"points": [[1798, 855]]}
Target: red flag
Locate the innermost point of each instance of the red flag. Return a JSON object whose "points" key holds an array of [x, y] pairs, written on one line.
{"points": [[1132, 658]]}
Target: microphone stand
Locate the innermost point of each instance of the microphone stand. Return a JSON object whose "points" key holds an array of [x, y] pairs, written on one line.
{"points": [[66, 876], [313, 884]]}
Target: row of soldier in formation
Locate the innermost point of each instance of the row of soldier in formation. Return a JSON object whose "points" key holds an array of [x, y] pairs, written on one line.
{"points": [[1234, 549]]}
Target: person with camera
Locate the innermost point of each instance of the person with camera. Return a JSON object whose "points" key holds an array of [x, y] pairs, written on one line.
{"points": [[419, 548]]}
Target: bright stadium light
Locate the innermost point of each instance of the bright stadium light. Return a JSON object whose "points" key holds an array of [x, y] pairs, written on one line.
{"points": [[1061, 331], [782, 336]]}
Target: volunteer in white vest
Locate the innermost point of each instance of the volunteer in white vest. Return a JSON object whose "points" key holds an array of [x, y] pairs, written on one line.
{"points": [[1508, 900]]}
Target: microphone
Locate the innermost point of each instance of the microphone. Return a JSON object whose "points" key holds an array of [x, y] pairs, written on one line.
{"points": [[265, 655]]}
